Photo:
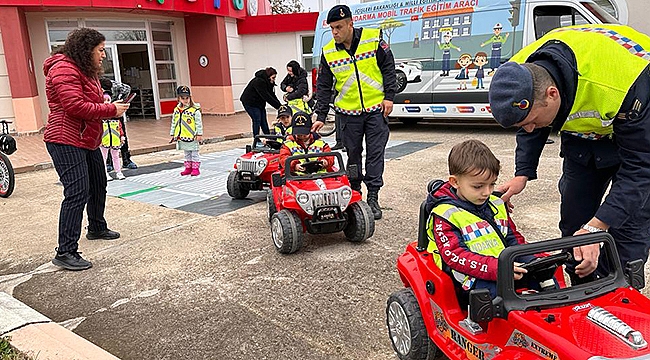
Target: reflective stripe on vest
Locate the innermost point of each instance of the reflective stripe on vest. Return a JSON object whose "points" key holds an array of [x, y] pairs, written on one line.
{"points": [[299, 105], [602, 86], [314, 148], [478, 235], [111, 133], [358, 79], [185, 128]]}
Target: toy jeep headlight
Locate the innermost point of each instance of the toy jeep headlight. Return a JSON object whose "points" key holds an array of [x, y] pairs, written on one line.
{"points": [[260, 166], [310, 200], [238, 163]]}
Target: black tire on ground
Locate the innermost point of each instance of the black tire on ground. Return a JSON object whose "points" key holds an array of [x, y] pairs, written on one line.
{"points": [[406, 328], [409, 121], [270, 204], [401, 80], [7, 179], [286, 231], [361, 222], [235, 188]]}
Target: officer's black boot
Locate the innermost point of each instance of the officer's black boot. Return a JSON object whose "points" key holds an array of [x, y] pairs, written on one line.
{"points": [[339, 142], [373, 201]]}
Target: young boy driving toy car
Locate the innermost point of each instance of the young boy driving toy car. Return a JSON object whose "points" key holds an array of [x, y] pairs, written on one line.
{"points": [[283, 124], [301, 141], [468, 227]]}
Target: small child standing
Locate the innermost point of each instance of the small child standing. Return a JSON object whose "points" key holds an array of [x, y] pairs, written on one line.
{"points": [[187, 130], [112, 138]]}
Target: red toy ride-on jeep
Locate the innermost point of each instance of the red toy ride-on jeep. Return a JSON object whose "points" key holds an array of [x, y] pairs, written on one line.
{"points": [[606, 318], [252, 171], [317, 202]]}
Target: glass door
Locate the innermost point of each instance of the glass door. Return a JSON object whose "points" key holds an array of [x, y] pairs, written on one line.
{"points": [[111, 63]]}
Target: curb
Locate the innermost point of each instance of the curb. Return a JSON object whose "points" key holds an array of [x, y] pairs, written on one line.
{"points": [[140, 151], [34, 334]]}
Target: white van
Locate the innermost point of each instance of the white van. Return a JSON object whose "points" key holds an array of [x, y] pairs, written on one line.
{"points": [[446, 50]]}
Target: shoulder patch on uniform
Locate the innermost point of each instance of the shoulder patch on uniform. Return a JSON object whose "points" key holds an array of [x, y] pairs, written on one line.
{"points": [[384, 45]]}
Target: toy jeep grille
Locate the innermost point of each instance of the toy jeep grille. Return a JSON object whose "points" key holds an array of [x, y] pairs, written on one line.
{"points": [[330, 198], [312, 200], [247, 165]]}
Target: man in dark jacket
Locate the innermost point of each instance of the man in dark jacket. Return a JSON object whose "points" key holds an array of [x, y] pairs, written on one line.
{"points": [[564, 82], [257, 93], [365, 90]]}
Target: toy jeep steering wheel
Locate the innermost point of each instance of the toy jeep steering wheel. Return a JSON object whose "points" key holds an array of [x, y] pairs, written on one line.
{"points": [[312, 166], [273, 144], [543, 268]]}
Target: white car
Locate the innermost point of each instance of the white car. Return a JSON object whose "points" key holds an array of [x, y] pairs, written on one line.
{"points": [[408, 71]]}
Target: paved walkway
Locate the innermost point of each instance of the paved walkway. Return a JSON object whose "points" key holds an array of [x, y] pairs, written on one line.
{"points": [[145, 136]]}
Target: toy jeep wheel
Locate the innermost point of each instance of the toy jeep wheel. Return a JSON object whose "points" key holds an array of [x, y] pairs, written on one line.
{"points": [[286, 230], [361, 222], [406, 328], [271, 204], [235, 188]]}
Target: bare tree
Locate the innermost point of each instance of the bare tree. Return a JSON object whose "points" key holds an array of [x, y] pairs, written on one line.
{"points": [[388, 26], [286, 6]]}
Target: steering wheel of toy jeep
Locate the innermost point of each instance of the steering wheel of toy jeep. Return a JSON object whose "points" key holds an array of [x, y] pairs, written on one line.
{"points": [[274, 144], [543, 268], [312, 166]]}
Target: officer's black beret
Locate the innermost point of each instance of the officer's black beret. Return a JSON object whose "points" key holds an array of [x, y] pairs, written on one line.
{"points": [[339, 12]]}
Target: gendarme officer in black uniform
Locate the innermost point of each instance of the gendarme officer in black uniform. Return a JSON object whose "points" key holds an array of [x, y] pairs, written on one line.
{"points": [[360, 67]]}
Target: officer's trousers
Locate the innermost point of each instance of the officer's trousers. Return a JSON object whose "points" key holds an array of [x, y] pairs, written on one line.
{"points": [[582, 187], [83, 175], [374, 126]]}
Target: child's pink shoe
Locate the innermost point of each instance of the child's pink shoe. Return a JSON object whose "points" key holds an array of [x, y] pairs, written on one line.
{"points": [[195, 168], [188, 168]]}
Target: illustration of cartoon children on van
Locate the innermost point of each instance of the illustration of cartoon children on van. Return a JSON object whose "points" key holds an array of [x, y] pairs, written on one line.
{"points": [[480, 60], [464, 63], [446, 47], [497, 41]]}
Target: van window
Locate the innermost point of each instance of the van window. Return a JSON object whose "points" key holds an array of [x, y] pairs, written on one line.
{"points": [[548, 18], [601, 13]]}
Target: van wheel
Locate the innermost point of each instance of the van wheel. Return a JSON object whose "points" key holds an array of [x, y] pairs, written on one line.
{"points": [[401, 80], [235, 188], [409, 121], [406, 328], [361, 222]]}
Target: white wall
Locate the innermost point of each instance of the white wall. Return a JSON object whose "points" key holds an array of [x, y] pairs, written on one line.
{"points": [[6, 105], [238, 73], [638, 16], [274, 50]]}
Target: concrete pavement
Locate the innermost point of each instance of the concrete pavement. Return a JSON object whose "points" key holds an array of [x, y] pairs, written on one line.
{"points": [[185, 285]]}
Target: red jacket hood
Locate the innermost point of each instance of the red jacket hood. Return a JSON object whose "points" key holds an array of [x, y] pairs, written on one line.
{"points": [[54, 59]]}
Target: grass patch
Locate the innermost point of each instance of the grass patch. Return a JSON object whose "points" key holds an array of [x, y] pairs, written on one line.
{"points": [[9, 353]]}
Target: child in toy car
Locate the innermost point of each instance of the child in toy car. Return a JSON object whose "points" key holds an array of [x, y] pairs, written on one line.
{"points": [[282, 126], [302, 141], [468, 227]]}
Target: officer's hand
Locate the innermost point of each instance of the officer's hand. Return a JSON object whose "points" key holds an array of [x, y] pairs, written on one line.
{"points": [[199, 138], [120, 107], [317, 125], [587, 255], [387, 107], [512, 187], [519, 271]]}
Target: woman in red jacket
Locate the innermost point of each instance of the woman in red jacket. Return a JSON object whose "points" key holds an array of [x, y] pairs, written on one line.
{"points": [[72, 137]]}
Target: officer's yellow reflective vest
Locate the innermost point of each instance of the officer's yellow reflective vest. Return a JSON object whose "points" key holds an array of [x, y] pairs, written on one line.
{"points": [[184, 125], [361, 70], [610, 58], [478, 235], [314, 148], [299, 105], [111, 134]]}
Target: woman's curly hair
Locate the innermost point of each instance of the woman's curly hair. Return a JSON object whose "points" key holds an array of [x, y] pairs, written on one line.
{"points": [[79, 47]]}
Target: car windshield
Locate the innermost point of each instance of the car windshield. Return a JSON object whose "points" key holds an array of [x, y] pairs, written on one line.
{"points": [[600, 13]]}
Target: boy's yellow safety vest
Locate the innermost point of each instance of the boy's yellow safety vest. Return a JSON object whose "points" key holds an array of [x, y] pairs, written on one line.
{"points": [[478, 235], [359, 82], [184, 125], [111, 133], [610, 58], [279, 129], [314, 148]]}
